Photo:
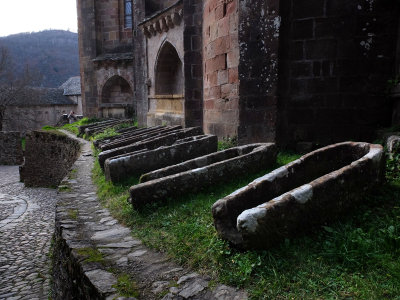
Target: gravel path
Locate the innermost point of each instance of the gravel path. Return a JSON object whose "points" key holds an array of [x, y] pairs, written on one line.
{"points": [[26, 228]]}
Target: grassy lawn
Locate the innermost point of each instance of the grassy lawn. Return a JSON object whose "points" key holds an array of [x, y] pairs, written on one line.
{"points": [[355, 258]]}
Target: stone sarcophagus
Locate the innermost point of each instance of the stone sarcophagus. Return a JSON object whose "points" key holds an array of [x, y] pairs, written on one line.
{"points": [[312, 190], [135, 164], [150, 141], [199, 173]]}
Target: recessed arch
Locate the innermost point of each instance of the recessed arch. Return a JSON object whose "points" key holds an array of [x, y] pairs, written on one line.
{"points": [[116, 90], [168, 71]]}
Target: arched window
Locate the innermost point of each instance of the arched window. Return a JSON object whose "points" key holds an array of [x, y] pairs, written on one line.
{"points": [[169, 74]]}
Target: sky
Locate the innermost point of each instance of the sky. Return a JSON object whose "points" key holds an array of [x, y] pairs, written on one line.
{"points": [[18, 16]]}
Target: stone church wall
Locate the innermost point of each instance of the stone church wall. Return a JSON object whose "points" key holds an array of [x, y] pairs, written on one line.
{"points": [[335, 60]]}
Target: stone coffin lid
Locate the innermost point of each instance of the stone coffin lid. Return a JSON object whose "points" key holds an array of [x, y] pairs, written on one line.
{"points": [[312, 190], [163, 20]]}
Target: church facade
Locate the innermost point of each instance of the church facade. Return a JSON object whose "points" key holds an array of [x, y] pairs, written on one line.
{"points": [[289, 71]]}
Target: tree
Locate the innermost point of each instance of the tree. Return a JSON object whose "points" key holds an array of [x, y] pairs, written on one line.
{"points": [[13, 88]]}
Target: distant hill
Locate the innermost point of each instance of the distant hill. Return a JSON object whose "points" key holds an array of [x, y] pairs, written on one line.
{"points": [[54, 53]]}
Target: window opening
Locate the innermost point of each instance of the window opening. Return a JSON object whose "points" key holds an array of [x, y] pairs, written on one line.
{"points": [[128, 13]]}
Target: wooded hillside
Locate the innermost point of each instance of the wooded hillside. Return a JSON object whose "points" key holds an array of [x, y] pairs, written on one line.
{"points": [[54, 53]]}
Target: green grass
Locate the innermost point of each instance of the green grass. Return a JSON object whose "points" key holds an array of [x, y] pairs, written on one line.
{"points": [[355, 258], [227, 143], [126, 286], [91, 255], [74, 126], [109, 132]]}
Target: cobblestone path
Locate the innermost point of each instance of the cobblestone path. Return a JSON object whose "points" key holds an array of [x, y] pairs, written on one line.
{"points": [[26, 228]]}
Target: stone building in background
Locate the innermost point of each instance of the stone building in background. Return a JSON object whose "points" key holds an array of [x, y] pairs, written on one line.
{"points": [[287, 71]]}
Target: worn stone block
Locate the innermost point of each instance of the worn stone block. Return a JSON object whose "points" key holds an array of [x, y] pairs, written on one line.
{"points": [[11, 148], [312, 190], [150, 143], [127, 140], [194, 175], [121, 167]]}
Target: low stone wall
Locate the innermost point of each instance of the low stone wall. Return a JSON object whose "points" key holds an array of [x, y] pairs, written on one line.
{"points": [[91, 251], [10, 148], [310, 191], [48, 158], [194, 175], [165, 139], [120, 167]]}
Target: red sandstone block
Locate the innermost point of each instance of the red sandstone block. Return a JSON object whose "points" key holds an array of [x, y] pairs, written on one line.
{"points": [[223, 104], [211, 80], [223, 26], [213, 93], [233, 76], [234, 41], [220, 46], [233, 23], [213, 31], [219, 12], [229, 90], [222, 77], [216, 63], [209, 104], [231, 7], [233, 58], [212, 4]]}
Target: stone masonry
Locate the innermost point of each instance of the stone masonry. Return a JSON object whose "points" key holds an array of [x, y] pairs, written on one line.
{"points": [[48, 157], [10, 148], [289, 72]]}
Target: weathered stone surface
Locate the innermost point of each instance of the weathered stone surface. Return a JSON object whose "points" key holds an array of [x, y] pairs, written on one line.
{"points": [[314, 189], [97, 129], [124, 141], [121, 167], [81, 129], [26, 229], [10, 148], [150, 143], [48, 157], [79, 218], [196, 174], [100, 142], [393, 145]]}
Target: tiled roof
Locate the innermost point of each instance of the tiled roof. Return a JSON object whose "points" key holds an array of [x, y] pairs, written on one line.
{"points": [[72, 87], [42, 97]]}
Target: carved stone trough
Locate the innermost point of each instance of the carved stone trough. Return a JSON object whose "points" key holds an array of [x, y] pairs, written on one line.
{"points": [[132, 131], [135, 164], [124, 141], [139, 131], [310, 191], [152, 142], [195, 174]]}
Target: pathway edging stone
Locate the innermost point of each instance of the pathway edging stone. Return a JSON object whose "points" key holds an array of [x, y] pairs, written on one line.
{"points": [[84, 228]]}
